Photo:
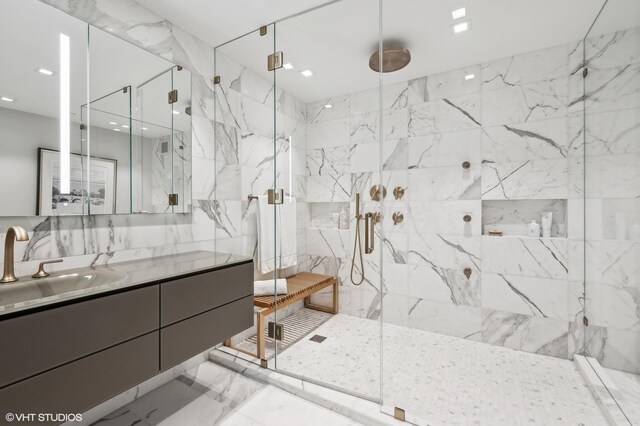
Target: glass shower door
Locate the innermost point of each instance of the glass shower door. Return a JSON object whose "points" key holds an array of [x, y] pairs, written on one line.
{"points": [[328, 156]]}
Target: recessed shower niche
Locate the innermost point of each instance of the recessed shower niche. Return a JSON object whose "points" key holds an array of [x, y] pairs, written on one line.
{"points": [[512, 217]]}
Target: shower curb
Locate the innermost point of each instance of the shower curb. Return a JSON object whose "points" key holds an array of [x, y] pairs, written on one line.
{"points": [[603, 389], [358, 409]]}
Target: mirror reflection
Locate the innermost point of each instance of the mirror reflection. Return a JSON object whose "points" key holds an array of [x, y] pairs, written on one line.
{"points": [[91, 124]]}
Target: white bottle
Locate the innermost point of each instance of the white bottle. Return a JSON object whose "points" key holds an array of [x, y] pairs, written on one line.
{"points": [[546, 224], [344, 219], [534, 229]]}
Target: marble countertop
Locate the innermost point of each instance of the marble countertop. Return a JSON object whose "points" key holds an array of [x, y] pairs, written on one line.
{"points": [[29, 293]]}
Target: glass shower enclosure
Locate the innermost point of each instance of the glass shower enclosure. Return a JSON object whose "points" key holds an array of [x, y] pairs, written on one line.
{"points": [[416, 189]]}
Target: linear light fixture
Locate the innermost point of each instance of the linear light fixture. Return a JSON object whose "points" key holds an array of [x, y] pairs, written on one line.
{"points": [[6, 99], [306, 73], [175, 112], [469, 76], [65, 114], [328, 106], [459, 13], [287, 66]]}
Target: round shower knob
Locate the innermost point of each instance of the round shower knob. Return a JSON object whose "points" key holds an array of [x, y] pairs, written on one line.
{"points": [[466, 165], [467, 218]]}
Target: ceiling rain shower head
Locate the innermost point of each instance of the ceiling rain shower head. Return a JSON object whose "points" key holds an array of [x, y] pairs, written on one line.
{"points": [[393, 59]]}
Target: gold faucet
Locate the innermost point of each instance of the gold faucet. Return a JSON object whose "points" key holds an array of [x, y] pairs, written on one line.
{"points": [[14, 233]]}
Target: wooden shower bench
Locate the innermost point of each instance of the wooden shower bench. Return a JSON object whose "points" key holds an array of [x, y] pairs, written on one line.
{"points": [[299, 286]]}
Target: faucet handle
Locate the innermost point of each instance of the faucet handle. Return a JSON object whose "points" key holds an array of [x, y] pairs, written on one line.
{"points": [[41, 272]]}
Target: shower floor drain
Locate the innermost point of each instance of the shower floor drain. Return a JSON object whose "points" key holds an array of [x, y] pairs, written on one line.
{"points": [[318, 338]]}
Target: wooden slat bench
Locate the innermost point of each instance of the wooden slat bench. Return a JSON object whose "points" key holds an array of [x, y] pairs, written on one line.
{"points": [[299, 286]]}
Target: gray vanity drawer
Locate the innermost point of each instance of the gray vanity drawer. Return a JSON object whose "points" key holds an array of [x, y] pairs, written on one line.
{"points": [[181, 341], [85, 383], [186, 297], [34, 343]]}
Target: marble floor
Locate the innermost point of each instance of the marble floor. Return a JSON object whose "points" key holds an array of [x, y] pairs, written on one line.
{"points": [[628, 398], [443, 379], [214, 395]]}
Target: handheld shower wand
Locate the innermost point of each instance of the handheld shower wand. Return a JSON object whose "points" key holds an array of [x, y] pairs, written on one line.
{"points": [[357, 245]]}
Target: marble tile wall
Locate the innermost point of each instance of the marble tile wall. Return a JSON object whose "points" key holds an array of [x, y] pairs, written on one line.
{"points": [[519, 124]]}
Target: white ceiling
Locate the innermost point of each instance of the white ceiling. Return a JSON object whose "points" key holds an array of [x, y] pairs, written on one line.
{"points": [[337, 40]]}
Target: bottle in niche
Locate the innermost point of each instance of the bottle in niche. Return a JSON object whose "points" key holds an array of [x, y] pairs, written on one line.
{"points": [[344, 219], [534, 229]]}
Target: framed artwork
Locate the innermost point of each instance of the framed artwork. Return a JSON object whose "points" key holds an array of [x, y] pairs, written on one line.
{"points": [[102, 196]]}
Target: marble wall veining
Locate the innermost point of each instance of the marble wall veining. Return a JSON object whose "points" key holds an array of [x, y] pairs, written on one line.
{"points": [[519, 123]]}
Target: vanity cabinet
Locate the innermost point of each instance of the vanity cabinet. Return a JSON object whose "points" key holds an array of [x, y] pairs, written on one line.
{"points": [[68, 358]]}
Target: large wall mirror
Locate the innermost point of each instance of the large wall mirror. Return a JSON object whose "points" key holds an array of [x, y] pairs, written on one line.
{"points": [[91, 124]]}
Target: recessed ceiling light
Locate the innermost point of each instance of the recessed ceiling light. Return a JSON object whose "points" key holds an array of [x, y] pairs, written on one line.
{"points": [[469, 76], [116, 130], [328, 106], [125, 126], [4, 98], [144, 128], [175, 112], [113, 123], [306, 73], [460, 27], [44, 71], [459, 13], [287, 66]]}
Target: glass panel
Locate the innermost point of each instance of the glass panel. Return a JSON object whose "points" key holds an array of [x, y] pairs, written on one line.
{"points": [[153, 145], [144, 130], [328, 143], [245, 168], [43, 85], [612, 201]]}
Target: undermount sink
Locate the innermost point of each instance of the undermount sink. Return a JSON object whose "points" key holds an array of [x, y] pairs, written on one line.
{"points": [[30, 289]]}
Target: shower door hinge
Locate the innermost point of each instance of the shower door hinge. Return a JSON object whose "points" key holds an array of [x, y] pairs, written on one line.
{"points": [[275, 196], [173, 96], [275, 331], [585, 320], [173, 199], [274, 61], [398, 414], [216, 79], [263, 30], [83, 127], [585, 72]]}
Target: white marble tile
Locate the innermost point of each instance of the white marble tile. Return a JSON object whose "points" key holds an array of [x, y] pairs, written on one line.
{"points": [[459, 113], [613, 307], [613, 88], [328, 133], [366, 127], [329, 188], [614, 348], [529, 179], [525, 256], [532, 296], [447, 252], [445, 149], [329, 242], [613, 49], [538, 140], [525, 103], [526, 333], [613, 263], [545, 64], [444, 285], [447, 84], [444, 217], [340, 108], [444, 183], [329, 161], [611, 133]]}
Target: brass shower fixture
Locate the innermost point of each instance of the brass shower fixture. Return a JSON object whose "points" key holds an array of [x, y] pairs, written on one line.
{"points": [[393, 59]]}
